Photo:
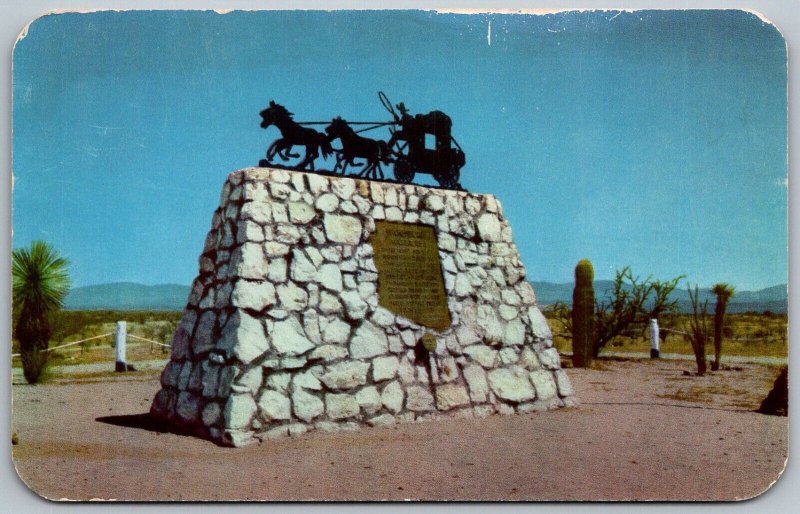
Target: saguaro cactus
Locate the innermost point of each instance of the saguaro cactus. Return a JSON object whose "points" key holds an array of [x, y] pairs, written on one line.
{"points": [[583, 314]]}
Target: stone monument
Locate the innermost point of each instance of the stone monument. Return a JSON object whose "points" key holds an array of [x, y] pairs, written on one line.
{"points": [[332, 303]]}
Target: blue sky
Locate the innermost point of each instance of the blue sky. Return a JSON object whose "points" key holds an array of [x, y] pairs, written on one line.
{"points": [[655, 139]]}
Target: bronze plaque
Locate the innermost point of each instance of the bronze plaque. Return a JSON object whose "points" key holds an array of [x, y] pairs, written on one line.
{"points": [[410, 279]]}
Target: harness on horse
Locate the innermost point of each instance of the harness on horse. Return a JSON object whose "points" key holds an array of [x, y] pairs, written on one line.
{"points": [[421, 143]]}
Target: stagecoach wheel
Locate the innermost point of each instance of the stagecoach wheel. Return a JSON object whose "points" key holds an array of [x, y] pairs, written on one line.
{"points": [[403, 172], [449, 179]]}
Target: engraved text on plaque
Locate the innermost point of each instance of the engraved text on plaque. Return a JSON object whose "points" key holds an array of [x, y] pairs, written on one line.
{"points": [[410, 279]]}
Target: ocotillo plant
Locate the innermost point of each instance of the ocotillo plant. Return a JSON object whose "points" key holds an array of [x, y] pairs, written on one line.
{"points": [[583, 315]]}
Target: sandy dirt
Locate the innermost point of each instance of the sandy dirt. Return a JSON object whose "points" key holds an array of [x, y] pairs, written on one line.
{"points": [[643, 431]]}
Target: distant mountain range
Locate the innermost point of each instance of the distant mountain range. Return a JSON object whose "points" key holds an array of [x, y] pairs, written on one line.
{"points": [[127, 296], [132, 296], [773, 298]]}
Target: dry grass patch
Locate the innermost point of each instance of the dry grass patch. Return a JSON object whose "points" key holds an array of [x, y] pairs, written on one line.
{"points": [[746, 335]]}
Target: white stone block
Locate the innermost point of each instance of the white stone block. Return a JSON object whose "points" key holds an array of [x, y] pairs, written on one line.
{"points": [[317, 183], [392, 397], [330, 277], [369, 400], [508, 355], [489, 227], [528, 359], [514, 333], [384, 420], [307, 379], [279, 381], [384, 368], [306, 406], [450, 396], [249, 231], [248, 261], [543, 383], [341, 406], [368, 341], [482, 354], [330, 304], [275, 249], [288, 338], [539, 326], [510, 386], [354, 305], [243, 337], [564, 385], [349, 207], [419, 399], [328, 352], [550, 358], [345, 375], [292, 297], [493, 327], [303, 270], [253, 295], [239, 411], [251, 379], [274, 406], [327, 203], [476, 380], [342, 228], [343, 188], [336, 332], [434, 202]]}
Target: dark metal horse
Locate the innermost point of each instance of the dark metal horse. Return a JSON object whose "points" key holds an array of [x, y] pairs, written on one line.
{"points": [[292, 134], [354, 146]]}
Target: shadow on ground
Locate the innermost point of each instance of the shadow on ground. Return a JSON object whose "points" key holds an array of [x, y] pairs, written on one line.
{"points": [[144, 421]]}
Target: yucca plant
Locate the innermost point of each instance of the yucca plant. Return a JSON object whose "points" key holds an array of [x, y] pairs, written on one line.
{"points": [[723, 292], [699, 331], [40, 283]]}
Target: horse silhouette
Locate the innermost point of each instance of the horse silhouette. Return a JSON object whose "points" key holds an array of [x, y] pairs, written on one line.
{"points": [[354, 146], [293, 134]]}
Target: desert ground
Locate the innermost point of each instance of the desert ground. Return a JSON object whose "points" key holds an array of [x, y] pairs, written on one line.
{"points": [[643, 431]]}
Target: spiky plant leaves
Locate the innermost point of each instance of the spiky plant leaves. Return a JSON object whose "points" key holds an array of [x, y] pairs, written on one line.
{"points": [[40, 283], [723, 292], [699, 330]]}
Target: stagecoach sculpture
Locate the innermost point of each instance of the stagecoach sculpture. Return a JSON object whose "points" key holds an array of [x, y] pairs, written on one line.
{"points": [[419, 144]]}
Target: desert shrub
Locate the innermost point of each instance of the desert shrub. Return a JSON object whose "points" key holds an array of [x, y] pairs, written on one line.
{"points": [[631, 301]]}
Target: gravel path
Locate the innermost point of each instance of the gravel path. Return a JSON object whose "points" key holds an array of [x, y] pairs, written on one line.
{"points": [[643, 430]]}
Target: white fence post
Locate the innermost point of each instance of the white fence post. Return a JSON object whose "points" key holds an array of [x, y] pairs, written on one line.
{"points": [[120, 335], [654, 339]]}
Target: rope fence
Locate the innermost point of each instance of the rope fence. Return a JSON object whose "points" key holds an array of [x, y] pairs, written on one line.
{"points": [[117, 335], [674, 331], [746, 339], [73, 343], [149, 341]]}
